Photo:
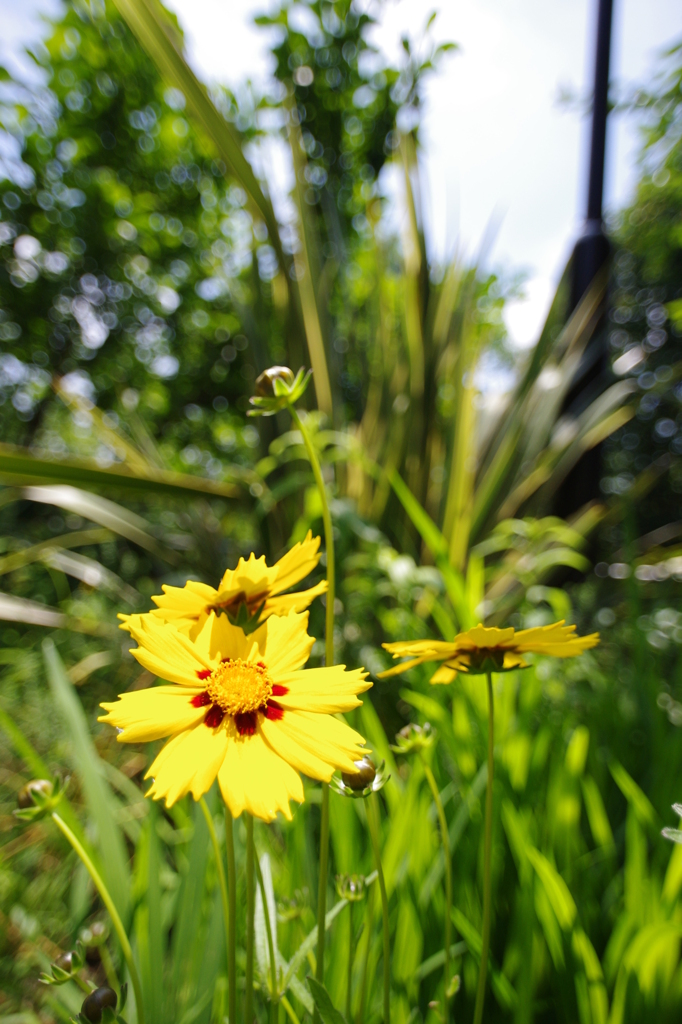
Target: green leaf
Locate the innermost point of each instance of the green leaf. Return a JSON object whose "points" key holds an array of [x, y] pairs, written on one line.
{"points": [[20, 609], [639, 802], [39, 770], [102, 805], [309, 943], [19, 467], [327, 1010], [556, 889]]}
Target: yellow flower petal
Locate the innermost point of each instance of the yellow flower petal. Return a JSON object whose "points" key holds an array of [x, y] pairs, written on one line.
{"points": [[557, 640], [443, 675], [483, 636], [297, 602], [254, 778], [189, 763], [298, 562], [324, 736], [183, 605], [146, 715], [287, 645], [290, 750], [327, 690], [228, 641]]}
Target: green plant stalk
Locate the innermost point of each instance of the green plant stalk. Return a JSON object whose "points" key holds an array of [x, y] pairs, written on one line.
{"points": [[329, 660], [109, 969], [445, 839], [227, 916], [350, 961], [250, 915], [271, 945], [360, 1016], [487, 851], [111, 908], [373, 820], [291, 1013], [232, 900]]}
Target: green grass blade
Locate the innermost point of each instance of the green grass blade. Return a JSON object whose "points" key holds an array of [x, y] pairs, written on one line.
{"points": [[102, 805], [21, 609], [159, 35], [39, 770], [19, 467]]}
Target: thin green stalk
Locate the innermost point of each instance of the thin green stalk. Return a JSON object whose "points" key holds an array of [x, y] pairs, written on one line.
{"points": [[329, 660], [487, 851], [445, 839], [232, 898], [109, 969], [271, 945], [360, 1017], [328, 535], [250, 914], [349, 979], [373, 820], [227, 916], [322, 884], [113, 912], [291, 1013]]}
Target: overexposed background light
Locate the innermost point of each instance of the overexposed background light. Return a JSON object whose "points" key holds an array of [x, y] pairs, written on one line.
{"points": [[496, 143]]}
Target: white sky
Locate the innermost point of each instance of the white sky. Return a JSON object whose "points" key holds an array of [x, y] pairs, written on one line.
{"points": [[496, 143]]}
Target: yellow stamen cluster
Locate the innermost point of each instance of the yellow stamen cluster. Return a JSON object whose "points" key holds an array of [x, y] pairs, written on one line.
{"points": [[239, 686]]}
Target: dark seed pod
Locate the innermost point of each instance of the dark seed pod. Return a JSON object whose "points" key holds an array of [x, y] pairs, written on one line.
{"points": [[94, 1003], [364, 776], [25, 794], [65, 961], [265, 384]]}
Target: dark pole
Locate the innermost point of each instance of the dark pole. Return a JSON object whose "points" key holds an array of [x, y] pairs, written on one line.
{"points": [[592, 248], [590, 254]]}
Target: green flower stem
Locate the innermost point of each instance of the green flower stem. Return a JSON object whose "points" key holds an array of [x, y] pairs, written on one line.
{"points": [[329, 661], [83, 985], [349, 979], [445, 839], [232, 899], [227, 916], [291, 1013], [113, 912], [373, 820], [487, 851], [109, 970], [328, 536], [250, 915], [271, 945], [360, 1016]]}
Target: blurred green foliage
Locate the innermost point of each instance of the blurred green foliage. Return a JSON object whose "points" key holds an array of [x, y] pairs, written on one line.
{"points": [[126, 214]]}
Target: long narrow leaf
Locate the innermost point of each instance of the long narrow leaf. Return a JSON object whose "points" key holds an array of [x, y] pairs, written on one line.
{"points": [[102, 805], [19, 466]]}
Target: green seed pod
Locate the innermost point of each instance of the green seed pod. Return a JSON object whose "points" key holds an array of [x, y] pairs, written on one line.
{"points": [[25, 794], [65, 961], [364, 776], [265, 384], [94, 1003]]}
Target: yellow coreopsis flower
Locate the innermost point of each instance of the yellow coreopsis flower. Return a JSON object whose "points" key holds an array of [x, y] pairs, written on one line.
{"points": [[254, 590], [489, 649], [243, 710]]}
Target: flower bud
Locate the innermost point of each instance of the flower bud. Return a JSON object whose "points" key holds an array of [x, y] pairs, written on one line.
{"points": [[96, 1002], [364, 776], [277, 388], [65, 961], [265, 384], [25, 794]]}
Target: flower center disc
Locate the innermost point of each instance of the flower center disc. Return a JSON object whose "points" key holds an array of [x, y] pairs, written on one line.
{"points": [[239, 686]]}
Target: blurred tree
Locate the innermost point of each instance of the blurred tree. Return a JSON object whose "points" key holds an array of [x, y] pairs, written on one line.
{"points": [[128, 264], [646, 329]]}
